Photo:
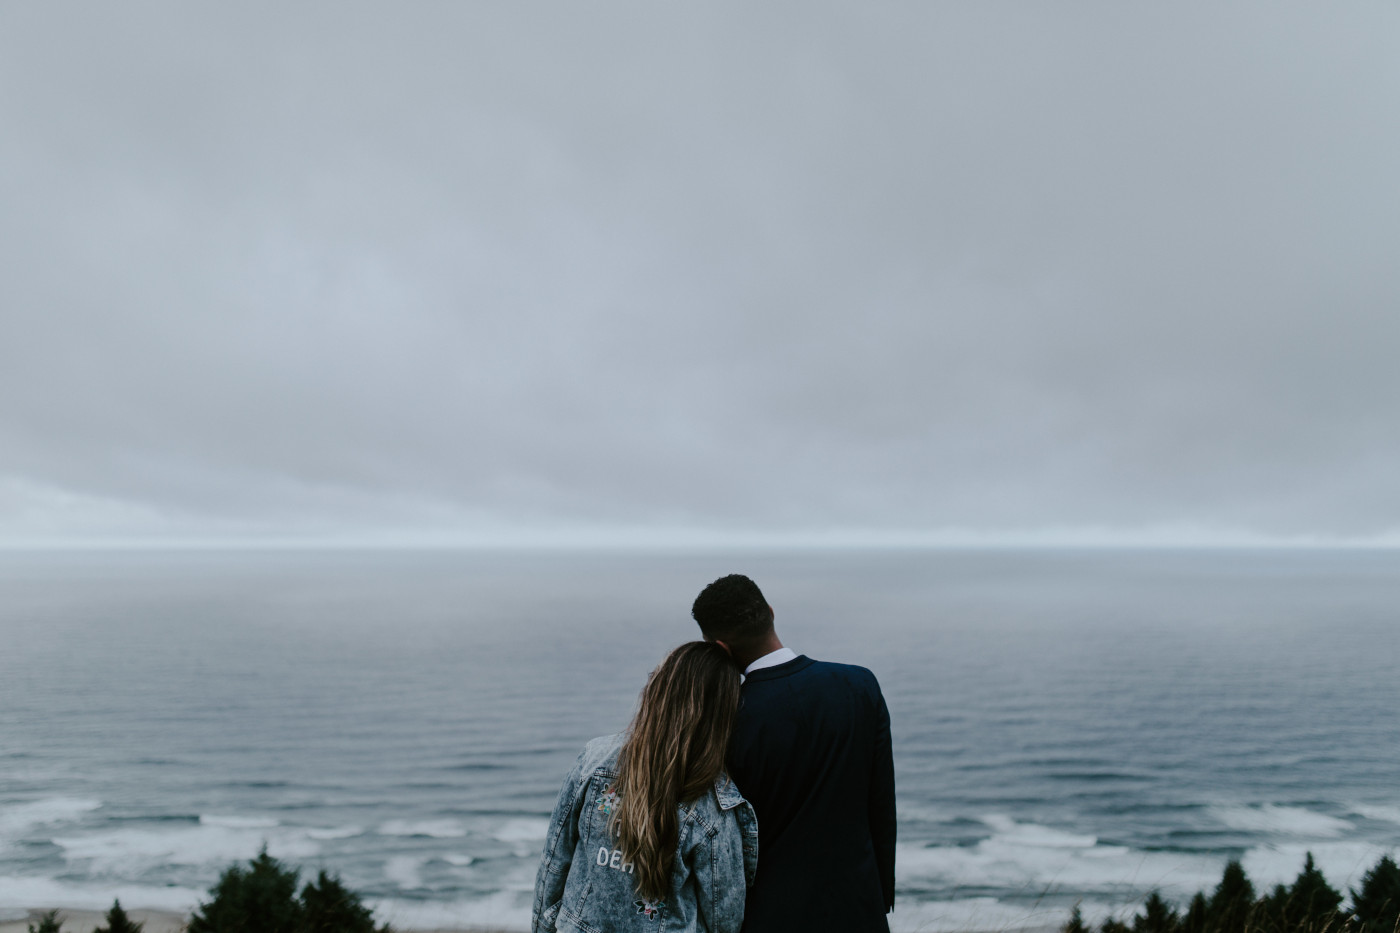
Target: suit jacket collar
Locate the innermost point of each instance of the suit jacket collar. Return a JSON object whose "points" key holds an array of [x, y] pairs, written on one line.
{"points": [[779, 670]]}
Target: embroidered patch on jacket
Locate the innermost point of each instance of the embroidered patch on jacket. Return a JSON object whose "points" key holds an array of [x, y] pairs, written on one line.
{"points": [[648, 908], [609, 801]]}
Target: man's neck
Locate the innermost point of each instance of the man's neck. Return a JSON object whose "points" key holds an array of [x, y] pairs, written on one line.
{"points": [[768, 646]]}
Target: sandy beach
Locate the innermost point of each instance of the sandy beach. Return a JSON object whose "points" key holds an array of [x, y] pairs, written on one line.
{"points": [[85, 921], [156, 921]]}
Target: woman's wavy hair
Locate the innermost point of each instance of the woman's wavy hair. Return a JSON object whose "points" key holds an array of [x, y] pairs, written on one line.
{"points": [[674, 750]]}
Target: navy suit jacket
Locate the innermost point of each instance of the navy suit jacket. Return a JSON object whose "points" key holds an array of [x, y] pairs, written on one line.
{"points": [[811, 752]]}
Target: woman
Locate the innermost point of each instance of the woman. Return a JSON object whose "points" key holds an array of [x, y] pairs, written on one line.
{"points": [[649, 832]]}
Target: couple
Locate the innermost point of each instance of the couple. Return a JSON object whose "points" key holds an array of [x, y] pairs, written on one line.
{"points": [[651, 832]]}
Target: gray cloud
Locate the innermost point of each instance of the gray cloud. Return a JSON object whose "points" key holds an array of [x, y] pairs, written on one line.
{"points": [[347, 269]]}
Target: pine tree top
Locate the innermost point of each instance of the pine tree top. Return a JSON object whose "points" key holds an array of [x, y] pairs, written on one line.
{"points": [[118, 921]]}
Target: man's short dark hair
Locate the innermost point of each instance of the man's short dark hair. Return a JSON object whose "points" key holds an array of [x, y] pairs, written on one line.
{"points": [[732, 610]]}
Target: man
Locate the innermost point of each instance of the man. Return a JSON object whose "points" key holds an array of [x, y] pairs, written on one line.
{"points": [[811, 752]]}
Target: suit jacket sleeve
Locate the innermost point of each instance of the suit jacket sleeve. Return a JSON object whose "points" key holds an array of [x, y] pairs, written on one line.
{"points": [[881, 806]]}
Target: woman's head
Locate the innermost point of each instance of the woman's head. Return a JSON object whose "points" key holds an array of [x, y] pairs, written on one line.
{"points": [[674, 751]]}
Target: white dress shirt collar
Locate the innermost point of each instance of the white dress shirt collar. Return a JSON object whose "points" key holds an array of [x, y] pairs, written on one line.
{"points": [[772, 659]]}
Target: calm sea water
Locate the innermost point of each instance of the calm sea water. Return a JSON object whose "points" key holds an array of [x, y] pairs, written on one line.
{"points": [[1068, 726]]}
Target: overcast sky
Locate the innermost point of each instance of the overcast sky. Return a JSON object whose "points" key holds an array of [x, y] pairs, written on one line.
{"points": [[874, 271]]}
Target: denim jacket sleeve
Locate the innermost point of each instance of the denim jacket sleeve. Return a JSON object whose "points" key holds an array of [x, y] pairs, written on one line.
{"points": [[559, 845], [721, 890]]}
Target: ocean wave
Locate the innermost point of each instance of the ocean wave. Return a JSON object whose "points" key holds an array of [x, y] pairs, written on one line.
{"points": [[1007, 831], [126, 850], [1280, 820], [405, 872], [18, 819], [504, 910], [1343, 863], [336, 832], [435, 829], [20, 891], [1032, 858], [977, 913], [238, 822], [1379, 812], [522, 830]]}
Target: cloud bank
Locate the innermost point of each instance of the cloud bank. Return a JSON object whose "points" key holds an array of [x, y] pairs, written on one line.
{"points": [[905, 272]]}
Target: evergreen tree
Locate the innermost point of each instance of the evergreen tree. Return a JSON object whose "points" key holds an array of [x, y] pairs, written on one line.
{"points": [[1230, 907], [1312, 903], [1271, 912], [1157, 917], [1114, 925], [48, 923], [1377, 904], [1195, 919], [1075, 924], [331, 908], [261, 898], [118, 922]]}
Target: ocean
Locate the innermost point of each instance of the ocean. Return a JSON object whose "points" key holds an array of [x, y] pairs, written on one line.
{"points": [[1069, 726]]}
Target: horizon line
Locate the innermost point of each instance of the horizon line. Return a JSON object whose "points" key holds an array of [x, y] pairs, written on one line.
{"points": [[828, 541]]}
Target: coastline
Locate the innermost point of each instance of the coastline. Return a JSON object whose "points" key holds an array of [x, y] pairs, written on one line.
{"points": [[168, 921], [157, 921]]}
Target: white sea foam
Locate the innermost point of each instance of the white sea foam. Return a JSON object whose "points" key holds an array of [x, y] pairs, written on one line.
{"points": [[1282, 821], [336, 832], [504, 910], [404, 872], [24, 891], [237, 822], [522, 830], [1031, 857], [976, 913], [521, 877], [1381, 812], [909, 812], [458, 859], [1009, 832], [18, 819], [118, 851], [436, 829], [1343, 863]]}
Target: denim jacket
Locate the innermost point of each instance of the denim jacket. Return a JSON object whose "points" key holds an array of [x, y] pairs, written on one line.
{"points": [[584, 886]]}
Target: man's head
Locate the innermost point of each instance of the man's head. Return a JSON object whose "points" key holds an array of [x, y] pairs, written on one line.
{"points": [[732, 610]]}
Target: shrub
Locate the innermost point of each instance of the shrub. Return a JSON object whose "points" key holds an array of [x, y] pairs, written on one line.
{"points": [[1195, 919], [1075, 923], [1309, 905], [1377, 904], [48, 923], [331, 908], [1157, 917], [1230, 907], [118, 921], [263, 898]]}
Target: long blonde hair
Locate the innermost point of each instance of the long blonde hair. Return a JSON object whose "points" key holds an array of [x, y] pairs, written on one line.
{"points": [[674, 751]]}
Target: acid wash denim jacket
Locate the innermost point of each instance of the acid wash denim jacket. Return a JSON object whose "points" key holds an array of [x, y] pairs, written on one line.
{"points": [[585, 886]]}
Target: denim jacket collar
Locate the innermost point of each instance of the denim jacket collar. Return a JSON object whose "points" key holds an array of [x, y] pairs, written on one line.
{"points": [[727, 792]]}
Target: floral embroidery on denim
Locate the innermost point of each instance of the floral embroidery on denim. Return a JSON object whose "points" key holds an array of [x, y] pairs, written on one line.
{"points": [[609, 801], [648, 908]]}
